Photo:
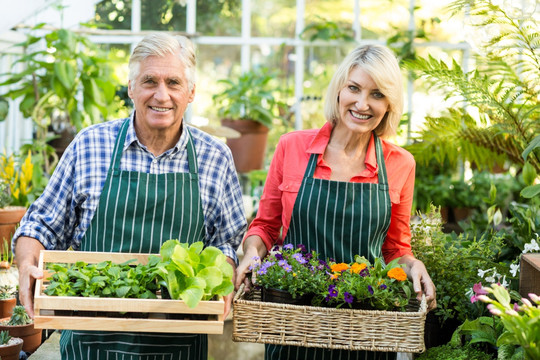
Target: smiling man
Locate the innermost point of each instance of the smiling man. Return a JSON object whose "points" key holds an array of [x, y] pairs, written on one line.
{"points": [[129, 185]]}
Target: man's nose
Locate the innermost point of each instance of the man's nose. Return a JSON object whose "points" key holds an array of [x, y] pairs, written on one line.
{"points": [[161, 93]]}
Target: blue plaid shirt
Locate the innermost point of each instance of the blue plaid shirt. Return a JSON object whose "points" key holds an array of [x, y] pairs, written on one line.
{"points": [[60, 217]]}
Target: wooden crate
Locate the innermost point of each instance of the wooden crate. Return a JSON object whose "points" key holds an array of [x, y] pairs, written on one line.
{"points": [[529, 274], [159, 311]]}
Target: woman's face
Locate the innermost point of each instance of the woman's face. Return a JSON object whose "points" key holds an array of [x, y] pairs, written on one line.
{"points": [[361, 105]]}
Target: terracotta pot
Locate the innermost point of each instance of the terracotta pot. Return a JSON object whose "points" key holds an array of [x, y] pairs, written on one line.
{"points": [[11, 352], [9, 220], [249, 149], [6, 307], [31, 337]]}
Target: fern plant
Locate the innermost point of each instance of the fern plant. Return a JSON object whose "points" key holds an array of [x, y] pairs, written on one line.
{"points": [[503, 90]]}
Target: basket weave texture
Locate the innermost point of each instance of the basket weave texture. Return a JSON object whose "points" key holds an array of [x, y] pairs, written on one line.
{"points": [[330, 328]]}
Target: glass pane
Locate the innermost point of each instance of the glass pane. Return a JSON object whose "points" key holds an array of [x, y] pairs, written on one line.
{"points": [[219, 18], [328, 20], [214, 62], [273, 18]]}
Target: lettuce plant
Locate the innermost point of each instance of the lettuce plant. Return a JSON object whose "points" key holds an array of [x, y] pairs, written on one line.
{"points": [[194, 273]]}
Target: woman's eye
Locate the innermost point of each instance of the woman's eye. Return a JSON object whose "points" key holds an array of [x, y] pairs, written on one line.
{"points": [[378, 95], [353, 88]]}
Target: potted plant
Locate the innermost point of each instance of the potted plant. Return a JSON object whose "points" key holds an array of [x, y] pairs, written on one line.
{"points": [[66, 83], [16, 193], [8, 300], [22, 326], [290, 275], [249, 104], [10, 347]]}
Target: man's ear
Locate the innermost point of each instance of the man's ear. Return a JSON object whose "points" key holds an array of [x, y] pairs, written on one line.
{"points": [[130, 92], [192, 94]]}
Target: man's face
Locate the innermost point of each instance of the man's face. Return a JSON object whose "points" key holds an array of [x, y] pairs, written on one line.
{"points": [[160, 93]]}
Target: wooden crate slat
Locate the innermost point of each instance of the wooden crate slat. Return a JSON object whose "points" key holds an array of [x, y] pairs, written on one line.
{"points": [[131, 325], [128, 305]]}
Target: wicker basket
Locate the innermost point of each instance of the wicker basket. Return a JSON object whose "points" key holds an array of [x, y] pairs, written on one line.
{"points": [[308, 326]]}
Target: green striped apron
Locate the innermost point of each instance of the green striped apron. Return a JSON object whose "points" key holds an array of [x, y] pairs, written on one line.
{"points": [[338, 220], [140, 211]]}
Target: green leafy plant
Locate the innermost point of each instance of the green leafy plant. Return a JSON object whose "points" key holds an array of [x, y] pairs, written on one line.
{"points": [[502, 91], [251, 96], [104, 279], [19, 317], [192, 272], [5, 193], [453, 262], [66, 81], [292, 270], [448, 352], [483, 332], [521, 322], [7, 292], [4, 337]]}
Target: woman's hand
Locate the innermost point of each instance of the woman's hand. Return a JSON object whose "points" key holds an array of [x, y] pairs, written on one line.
{"points": [[254, 251], [422, 284]]}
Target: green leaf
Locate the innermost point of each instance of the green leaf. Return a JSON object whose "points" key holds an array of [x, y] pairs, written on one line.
{"points": [[65, 72], [122, 291], [535, 143], [530, 192], [225, 288], [184, 267], [167, 249], [212, 256], [194, 291], [529, 173], [213, 277]]}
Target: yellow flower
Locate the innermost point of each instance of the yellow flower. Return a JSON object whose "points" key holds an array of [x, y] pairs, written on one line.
{"points": [[356, 267], [398, 274], [339, 267]]}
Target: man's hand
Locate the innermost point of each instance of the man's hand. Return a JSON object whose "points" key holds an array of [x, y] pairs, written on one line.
{"points": [[229, 298], [27, 255]]}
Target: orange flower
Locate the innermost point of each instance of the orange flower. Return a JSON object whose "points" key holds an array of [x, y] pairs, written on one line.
{"points": [[356, 267], [334, 276], [339, 267], [398, 274]]}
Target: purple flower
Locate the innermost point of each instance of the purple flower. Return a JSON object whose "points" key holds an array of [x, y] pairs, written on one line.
{"points": [[348, 297], [370, 289], [332, 291], [298, 257], [364, 272], [383, 286], [287, 268], [301, 247], [278, 256], [264, 267], [288, 247], [275, 248]]}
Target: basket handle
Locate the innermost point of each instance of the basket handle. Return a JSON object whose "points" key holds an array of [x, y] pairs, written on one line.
{"points": [[423, 304], [240, 292]]}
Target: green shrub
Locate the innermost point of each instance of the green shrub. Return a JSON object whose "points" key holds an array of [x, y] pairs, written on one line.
{"points": [[447, 352]]}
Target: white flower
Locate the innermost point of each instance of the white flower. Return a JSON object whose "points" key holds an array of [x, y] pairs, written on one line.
{"points": [[504, 283], [514, 268], [531, 247], [481, 272]]}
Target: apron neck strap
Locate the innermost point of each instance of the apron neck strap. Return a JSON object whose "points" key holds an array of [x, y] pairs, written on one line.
{"points": [[382, 176], [121, 138]]}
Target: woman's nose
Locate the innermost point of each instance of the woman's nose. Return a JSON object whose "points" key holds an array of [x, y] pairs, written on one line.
{"points": [[361, 103]]}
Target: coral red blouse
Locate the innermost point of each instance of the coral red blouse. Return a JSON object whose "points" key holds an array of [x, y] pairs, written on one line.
{"points": [[287, 170]]}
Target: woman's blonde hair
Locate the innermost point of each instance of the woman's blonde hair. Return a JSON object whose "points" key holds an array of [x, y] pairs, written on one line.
{"points": [[162, 44], [381, 64]]}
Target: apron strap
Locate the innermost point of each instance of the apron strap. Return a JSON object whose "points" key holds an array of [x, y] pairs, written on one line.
{"points": [[381, 176]]}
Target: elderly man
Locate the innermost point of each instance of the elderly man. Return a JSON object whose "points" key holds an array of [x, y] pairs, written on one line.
{"points": [[129, 185]]}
